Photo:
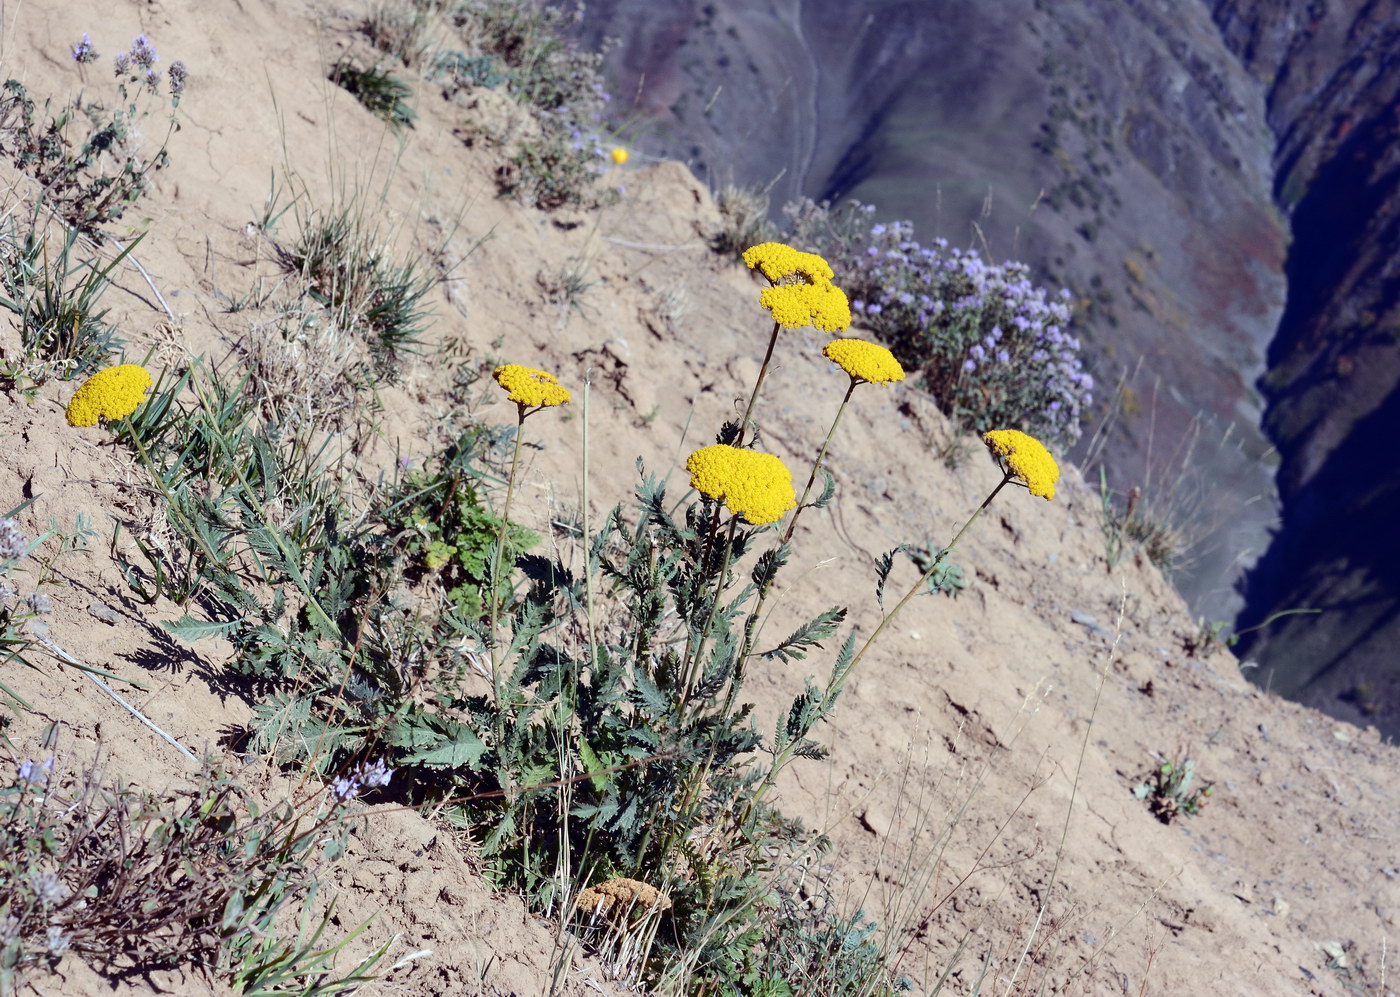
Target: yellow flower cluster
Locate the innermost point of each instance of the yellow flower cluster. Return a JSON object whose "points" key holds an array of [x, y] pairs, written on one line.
{"points": [[802, 293], [822, 306], [864, 361], [754, 485], [776, 261], [1027, 459], [616, 898], [530, 387], [113, 393]]}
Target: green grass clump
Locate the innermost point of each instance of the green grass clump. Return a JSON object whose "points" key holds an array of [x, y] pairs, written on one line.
{"points": [[351, 273], [1172, 790], [381, 92], [54, 295]]}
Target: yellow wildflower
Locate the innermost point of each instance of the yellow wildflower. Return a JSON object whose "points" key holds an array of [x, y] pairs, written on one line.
{"points": [[869, 362], [776, 260], [619, 155], [530, 387], [1027, 459], [754, 485], [113, 393], [615, 899], [823, 306]]}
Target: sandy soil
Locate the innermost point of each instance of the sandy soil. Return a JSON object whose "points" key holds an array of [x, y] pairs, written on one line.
{"points": [[957, 751]]}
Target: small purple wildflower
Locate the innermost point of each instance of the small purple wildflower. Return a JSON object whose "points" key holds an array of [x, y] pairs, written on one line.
{"points": [[143, 53], [365, 776], [122, 63], [83, 52], [1003, 356], [12, 542], [152, 78], [178, 75], [874, 309], [977, 352], [970, 366]]}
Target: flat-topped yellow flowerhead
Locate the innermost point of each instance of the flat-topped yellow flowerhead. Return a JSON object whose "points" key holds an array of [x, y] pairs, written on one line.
{"points": [[619, 155], [113, 393], [822, 306], [864, 361], [802, 293], [756, 486], [530, 387], [776, 260], [1027, 459]]}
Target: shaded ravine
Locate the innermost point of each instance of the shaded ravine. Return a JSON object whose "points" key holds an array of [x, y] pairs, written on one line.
{"points": [[1333, 386]]}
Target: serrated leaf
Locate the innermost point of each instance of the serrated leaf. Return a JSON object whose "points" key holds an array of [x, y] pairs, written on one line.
{"points": [[828, 489], [883, 566], [807, 636], [188, 628]]}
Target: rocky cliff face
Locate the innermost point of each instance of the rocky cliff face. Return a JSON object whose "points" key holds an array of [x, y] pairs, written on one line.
{"points": [[1331, 75], [1150, 156]]}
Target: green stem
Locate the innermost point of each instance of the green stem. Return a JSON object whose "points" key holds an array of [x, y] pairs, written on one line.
{"points": [[750, 627], [493, 580], [758, 384], [938, 559], [697, 664], [816, 465]]}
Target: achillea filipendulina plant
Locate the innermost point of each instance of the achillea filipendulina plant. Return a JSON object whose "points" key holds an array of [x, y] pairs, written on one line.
{"points": [[756, 486], [618, 898], [868, 362], [1026, 459], [109, 394], [529, 387], [801, 294]]}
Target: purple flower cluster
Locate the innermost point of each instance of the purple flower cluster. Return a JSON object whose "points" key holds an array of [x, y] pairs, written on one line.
{"points": [[367, 775], [83, 52], [994, 347]]}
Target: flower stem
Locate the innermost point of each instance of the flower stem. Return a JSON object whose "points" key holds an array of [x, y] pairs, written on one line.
{"points": [[937, 560], [494, 578], [816, 465], [750, 628], [758, 384], [696, 663]]}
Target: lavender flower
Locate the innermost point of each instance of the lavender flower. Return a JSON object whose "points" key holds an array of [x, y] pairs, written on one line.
{"points": [[143, 53], [36, 773], [365, 776], [48, 888], [152, 79], [970, 366], [178, 75], [12, 542], [83, 52], [122, 64]]}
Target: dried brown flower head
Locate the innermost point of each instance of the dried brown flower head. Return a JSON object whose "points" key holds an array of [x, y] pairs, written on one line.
{"points": [[615, 899]]}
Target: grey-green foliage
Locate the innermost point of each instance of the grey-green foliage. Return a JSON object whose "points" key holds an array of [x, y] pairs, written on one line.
{"points": [[622, 755], [127, 880], [381, 92], [1172, 790], [53, 292]]}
